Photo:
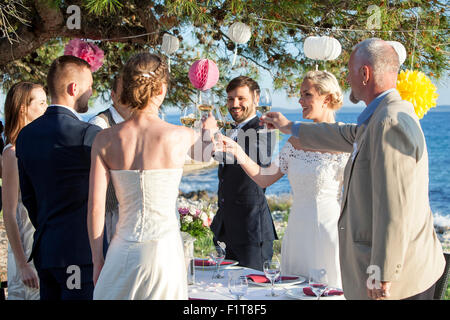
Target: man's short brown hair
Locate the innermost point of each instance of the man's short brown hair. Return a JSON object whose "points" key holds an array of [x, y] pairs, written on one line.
{"points": [[242, 81], [57, 70]]}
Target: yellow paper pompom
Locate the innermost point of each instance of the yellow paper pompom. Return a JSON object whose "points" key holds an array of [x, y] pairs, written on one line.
{"points": [[416, 87]]}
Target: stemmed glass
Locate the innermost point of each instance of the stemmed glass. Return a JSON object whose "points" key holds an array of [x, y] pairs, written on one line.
{"points": [[272, 271], [218, 116], [318, 281], [189, 116], [205, 102], [265, 103], [237, 285], [217, 254], [228, 121]]}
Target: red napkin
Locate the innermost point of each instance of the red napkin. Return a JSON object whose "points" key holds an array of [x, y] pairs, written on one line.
{"points": [[260, 278], [208, 263], [330, 292]]}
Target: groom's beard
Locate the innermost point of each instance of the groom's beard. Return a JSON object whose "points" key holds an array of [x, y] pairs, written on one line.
{"points": [[352, 98]]}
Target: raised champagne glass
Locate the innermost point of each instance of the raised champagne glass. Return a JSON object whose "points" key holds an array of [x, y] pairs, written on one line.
{"points": [[265, 103], [188, 117], [205, 102]]}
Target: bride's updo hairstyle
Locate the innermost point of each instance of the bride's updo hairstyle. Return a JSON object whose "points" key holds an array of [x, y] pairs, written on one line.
{"points": [[326, 83], [143, 77]]}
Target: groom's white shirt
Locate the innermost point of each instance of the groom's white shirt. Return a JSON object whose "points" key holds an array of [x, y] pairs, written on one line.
{"points": [[235, 131]]}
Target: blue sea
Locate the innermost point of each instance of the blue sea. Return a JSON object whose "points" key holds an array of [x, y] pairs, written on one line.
{"points": [[435, 125]]}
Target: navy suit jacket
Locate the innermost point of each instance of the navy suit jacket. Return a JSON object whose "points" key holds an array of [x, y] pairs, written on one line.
{"points": [[54, 153], [243, 216]]}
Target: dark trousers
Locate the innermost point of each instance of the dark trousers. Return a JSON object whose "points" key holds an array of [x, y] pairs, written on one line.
{"points": [[67, 283], [250, 255], [426, 295]]}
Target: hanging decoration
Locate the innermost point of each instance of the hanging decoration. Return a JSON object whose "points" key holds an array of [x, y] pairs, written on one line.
{"points": [[169, 45], [417, 88], [203, 74], [87, 51], [322, 48], [239, 33], [400, 49]]}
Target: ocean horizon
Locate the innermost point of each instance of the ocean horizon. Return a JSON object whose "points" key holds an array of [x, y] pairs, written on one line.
{"points": [[434, 125]]}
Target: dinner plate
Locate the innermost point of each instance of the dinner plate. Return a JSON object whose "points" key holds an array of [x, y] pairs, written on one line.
{"points": [[284, 283], [297, 293], [213, 267]]}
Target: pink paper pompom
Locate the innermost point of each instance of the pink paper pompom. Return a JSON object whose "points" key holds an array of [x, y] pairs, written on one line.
{"points": [[203, 74], [86, 51]]}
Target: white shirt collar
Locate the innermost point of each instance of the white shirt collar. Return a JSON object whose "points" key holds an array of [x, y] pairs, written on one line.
{"points": [[68, 108], [243, 123], [116, 115]]}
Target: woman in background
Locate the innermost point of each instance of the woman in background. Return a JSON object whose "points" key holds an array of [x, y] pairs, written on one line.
{"points": [[24, 102]]}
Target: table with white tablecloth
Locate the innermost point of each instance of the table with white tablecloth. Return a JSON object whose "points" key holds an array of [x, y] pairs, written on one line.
{"points": [[217, 289]]}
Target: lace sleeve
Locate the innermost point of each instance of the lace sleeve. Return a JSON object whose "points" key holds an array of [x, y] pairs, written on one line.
{"points": [[284, 157]]}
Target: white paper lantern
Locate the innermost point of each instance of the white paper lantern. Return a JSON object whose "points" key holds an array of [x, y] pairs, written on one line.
{"points": [[170, 44], [400, 49], [239, 33], [322, 48]]}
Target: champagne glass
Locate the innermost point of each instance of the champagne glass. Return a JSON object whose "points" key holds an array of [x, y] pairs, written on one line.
{"points": [[205, 102], [318, 281], [188, 117], [272, 271], [219, 117], [218, 255], [228, 121], [265, 103], [237, 285]]}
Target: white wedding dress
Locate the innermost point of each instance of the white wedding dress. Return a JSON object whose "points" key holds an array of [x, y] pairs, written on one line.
{"points": [[145, 259], [311, 237]]}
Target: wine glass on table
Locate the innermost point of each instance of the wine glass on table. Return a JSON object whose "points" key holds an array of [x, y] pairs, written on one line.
{"points": [[265, 103], [217, 254], [237, 284], [318, 281], [272, 271]]}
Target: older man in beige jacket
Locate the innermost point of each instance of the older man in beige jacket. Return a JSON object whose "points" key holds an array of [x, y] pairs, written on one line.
{"points": [[388, 246]]}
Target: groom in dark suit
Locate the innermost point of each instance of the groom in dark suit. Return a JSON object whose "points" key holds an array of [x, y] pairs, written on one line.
{"points": [[54, 162], [243, 220]]}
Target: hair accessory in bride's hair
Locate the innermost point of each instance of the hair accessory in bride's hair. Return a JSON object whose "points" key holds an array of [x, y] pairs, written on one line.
{"points": [[148, 75]]}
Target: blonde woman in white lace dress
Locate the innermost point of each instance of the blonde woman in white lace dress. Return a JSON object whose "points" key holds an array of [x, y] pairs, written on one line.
{"points": [[316, 178]]}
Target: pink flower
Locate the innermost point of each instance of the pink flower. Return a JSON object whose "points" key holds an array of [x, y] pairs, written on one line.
{"points": [[86, 51], [207, 222]]}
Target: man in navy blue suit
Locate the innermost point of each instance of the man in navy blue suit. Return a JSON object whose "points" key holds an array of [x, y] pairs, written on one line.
{"points": [[243, 220], [54, 162]]}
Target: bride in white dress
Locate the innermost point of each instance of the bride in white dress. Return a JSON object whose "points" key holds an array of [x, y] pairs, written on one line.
{"points": [[144, 157], [316, 178]]}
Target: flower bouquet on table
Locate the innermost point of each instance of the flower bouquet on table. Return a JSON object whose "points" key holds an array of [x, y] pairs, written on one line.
{"points": [[195, 221]]}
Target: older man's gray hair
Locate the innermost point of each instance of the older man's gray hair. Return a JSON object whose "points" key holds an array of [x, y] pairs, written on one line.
{"points": [[380, 55]]}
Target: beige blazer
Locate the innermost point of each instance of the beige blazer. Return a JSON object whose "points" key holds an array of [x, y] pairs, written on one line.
{"points": [[386, 221]]}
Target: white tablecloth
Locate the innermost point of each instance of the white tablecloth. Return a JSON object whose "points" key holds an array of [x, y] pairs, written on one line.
{"points": [[217, 289]]}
